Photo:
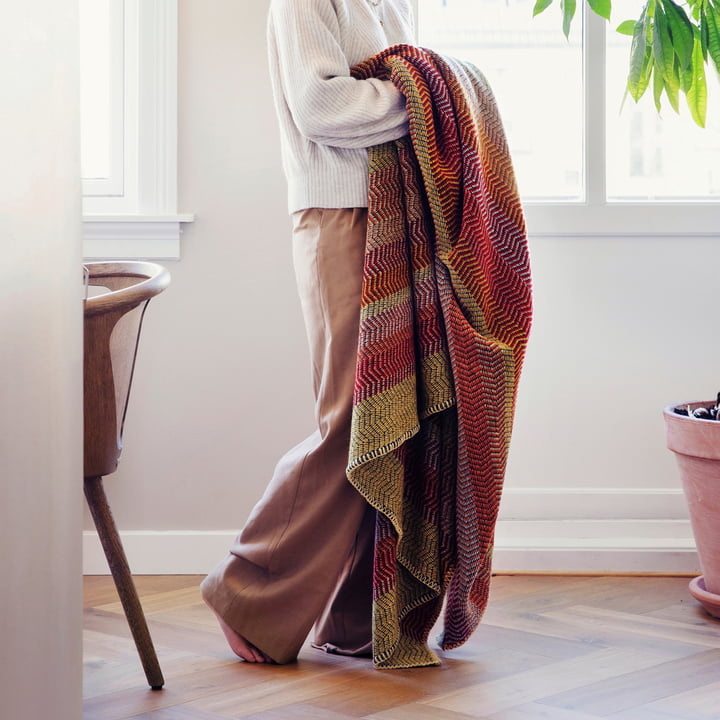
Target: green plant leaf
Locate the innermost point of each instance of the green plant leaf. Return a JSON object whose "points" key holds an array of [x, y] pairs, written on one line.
{"points": [[648, 22], [696, 9], [639, 59], [686, 76], [626, 28], [662, 45], [672, 86], [712, 22], [681, 31], [697, 94], [658, 87], [568, 10], [648, 66], [666, 60], [540, 6], [601, 7], [649, 11]]}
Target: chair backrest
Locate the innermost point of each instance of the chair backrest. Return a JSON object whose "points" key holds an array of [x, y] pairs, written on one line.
{"points": [[112, 330]]}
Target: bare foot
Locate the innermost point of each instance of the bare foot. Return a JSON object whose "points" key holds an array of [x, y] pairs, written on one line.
{"points": [[239, 645]]}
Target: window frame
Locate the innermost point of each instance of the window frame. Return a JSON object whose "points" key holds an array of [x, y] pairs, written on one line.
{"points": [[142, 221], [595, 215]]}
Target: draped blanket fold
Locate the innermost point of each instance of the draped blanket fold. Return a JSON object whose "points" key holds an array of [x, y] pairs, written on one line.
{"points": [[445, 318]]}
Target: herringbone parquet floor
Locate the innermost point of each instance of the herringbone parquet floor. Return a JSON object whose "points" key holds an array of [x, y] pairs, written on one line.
{"points": [[550, 648]]}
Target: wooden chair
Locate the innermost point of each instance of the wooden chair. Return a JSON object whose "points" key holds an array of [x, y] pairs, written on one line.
{"points": [[112, 331]]}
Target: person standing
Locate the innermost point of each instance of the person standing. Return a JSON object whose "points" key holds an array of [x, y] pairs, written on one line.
{"points": [[304, 557]]}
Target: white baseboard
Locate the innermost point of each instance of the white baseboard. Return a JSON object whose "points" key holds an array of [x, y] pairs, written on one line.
{"points": [[572, 546], [592, 503], [595, 546], [171, 552]]}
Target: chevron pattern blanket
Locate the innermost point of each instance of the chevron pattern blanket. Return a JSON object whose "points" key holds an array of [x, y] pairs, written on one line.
{"points": [[446, 313]]}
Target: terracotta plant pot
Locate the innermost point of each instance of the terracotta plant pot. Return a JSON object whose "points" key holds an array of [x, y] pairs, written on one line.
{"points": [[696, 444]]}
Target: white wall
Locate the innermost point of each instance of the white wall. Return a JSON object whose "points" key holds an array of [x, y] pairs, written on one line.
{"points": [[222, 386], [619, 327], [222, 381], [41, 361]]}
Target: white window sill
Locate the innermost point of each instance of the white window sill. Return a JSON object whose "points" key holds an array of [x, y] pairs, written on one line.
{"points": [[140, 237], [623, 219]]}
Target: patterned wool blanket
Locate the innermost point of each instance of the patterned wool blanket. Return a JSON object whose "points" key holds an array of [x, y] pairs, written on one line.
{"points": [[446, 312]]}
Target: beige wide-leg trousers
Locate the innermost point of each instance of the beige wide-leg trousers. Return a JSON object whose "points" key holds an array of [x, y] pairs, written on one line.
{"points": [[305, 554]]}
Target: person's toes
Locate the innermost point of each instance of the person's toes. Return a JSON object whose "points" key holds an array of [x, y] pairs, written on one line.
{"points": [[242, 648], [238, 644], [267, 658]]}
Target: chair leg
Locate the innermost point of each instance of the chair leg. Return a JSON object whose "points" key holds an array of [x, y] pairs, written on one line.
{"points": [[107, 531]]}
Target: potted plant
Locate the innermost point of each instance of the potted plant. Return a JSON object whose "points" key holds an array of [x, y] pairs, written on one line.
{"points": [[693, 434], [671, 45]]}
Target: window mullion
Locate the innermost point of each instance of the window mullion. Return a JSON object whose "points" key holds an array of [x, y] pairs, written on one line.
{"points": [[594, 99]]}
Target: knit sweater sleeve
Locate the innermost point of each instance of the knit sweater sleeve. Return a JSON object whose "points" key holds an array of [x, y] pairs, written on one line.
{"points": [[328, 106]]}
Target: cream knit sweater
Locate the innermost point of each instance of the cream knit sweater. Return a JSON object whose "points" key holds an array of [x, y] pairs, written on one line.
{"points": [[328, 119]]}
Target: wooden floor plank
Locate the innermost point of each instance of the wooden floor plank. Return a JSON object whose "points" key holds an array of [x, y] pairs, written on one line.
{"points": [[416, 711], [642, 687], [654, 713], [496, 638], [549, 648], [536, 711], [276, 687], [180, 689], [550, 679], [699, 703], [300, 712], [705, 633], [179, 712], [600, 628], [552, 592], [696, 704], [162, 601]]}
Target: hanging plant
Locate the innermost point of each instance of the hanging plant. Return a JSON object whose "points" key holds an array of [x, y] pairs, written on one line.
{"points": [[671, 46]]}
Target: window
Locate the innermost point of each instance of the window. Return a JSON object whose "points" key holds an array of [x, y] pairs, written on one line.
{"points": [[129, 128], [530, 67], [653, 157], [102, 94], [580, 162]]}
